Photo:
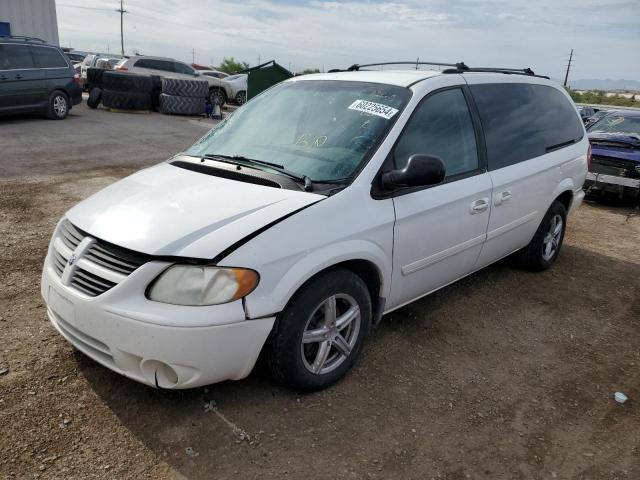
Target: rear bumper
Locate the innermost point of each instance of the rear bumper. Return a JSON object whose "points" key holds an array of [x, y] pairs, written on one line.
{"points": [[595, 179], [125, 340]]}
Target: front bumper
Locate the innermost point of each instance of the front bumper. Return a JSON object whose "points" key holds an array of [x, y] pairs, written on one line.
{"points": [[600, 178], [145, 341]]}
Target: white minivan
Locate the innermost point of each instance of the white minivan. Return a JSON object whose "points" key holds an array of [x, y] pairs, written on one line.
{"points": [[296, 223]]}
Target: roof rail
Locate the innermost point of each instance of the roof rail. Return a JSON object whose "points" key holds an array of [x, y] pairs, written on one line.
{"points": [[459, 67], [22, 37]]}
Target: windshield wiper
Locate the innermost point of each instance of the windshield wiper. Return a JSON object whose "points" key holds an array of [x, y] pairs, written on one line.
{"points": [[241, 160]]}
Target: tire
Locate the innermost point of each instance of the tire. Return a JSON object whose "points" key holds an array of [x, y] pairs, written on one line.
{"points": [[291, 362], [241, 98], [545, 245], [180, 87], [126, 82], [182, 105], [126, 100], [218, 96], [58, 107], [95, 95], [94, 76]]}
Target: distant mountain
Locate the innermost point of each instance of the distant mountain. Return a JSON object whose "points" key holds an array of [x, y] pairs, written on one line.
{"points": [[608, 84]]}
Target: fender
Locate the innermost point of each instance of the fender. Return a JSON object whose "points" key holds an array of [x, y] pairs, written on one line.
{"points": [[274, 299]]}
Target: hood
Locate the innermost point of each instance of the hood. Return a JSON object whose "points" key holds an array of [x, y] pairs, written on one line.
{"points": [[625, 146], [168, 210]]}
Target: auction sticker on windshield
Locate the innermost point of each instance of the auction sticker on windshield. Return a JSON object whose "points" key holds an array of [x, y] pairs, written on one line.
{"points": [[373, 108]]}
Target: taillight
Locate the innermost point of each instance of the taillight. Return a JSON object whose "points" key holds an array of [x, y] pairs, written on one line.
{"points": [[76, 78], [122, 68], [589, 158]]}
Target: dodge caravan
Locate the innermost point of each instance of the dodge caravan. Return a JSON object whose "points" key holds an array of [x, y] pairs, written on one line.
{"points": [[296, 223]]}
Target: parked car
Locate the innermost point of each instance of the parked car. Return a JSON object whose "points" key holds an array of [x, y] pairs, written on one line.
{"points": [[213, 73], [36, 77], [219, 91], [91, 61], [322, 204], [238, 84], [615, 165], [75, 57]]}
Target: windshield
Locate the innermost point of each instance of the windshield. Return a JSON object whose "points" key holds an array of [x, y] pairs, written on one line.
{"points": [[617, 124], [319, 129]]}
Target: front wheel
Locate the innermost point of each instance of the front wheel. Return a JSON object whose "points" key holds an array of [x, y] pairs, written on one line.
{"points": [[545, 246], [217, 97], [319, 335], [241, 98], [58, 106]]}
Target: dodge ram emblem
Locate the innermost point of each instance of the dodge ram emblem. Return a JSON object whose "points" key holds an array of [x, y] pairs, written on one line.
{"points": [[72, 260]]}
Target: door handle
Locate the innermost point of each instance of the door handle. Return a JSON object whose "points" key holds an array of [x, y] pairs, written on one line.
{"points": [[502, 197], [2, 77], [479, 206], [18, 76]]}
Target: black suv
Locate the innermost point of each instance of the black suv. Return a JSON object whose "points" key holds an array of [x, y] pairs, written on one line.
{"points": [[36, 77]]}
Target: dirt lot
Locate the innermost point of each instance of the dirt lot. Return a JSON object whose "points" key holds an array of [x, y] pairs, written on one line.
{"points": [[506, 374]]}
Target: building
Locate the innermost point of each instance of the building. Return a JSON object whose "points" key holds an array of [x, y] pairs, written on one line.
{"points": [[31, 18]]}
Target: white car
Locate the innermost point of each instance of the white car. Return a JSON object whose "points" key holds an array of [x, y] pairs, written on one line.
{"points": [[91, 61], [238, 84], [219, 91], [294, 225], [214, 73]]}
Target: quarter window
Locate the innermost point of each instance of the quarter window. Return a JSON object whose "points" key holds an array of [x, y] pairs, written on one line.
{"points": [[46, 57], [182, 68], [522, 121], [441, 126], [18, 56]]}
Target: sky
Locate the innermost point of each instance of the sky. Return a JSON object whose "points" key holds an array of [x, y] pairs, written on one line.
{"points": [[539, 34]]}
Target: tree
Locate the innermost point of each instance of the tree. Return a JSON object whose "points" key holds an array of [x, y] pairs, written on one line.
{"points": [[307, 71], [231, 66]]}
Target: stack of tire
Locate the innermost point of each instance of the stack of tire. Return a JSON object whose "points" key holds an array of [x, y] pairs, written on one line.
{"points": [[183, 96], [94, 78], [124, 91]]}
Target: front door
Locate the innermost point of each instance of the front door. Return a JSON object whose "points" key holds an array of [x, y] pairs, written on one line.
{"points": [[22, 83], [439, 230]]}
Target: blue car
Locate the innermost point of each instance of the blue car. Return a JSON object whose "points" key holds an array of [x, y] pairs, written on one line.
{"points": [[615, 162]]}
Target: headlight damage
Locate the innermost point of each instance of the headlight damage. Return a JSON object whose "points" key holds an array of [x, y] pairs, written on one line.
{"points": [[196, 285]]}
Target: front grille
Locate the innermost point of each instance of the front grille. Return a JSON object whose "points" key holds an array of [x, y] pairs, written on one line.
{"points": [[614, 166], [97, 267]]}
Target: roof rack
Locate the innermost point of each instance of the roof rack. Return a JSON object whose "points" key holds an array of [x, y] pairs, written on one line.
{"points": [[459, 67], [21, 37]]}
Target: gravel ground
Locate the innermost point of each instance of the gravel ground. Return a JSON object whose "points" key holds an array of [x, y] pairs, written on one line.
{"points": [[506, 374]]}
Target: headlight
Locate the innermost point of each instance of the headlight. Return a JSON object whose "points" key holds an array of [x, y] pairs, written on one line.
{"points": [[202, 285]]}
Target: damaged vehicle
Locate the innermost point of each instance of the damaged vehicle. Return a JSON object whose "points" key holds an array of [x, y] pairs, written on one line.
{"points": [[296, 223], [615, 164]]}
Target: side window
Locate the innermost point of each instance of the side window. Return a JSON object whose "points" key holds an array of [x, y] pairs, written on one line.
{"points": [[46, 57], [18, 56], [163, 65], [182, 68], [4, 60], [441, 126], [522, 121]]}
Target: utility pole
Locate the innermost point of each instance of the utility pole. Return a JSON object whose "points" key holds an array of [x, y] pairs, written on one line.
{"points": [[193, 55], [566, 76], [122, 12]]}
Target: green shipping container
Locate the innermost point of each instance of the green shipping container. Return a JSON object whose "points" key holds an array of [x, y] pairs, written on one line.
{"points": [[264, 76]]}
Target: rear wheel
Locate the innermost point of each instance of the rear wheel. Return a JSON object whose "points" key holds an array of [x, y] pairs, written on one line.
{"points": [[545, 246], [319, 335], [58, 105]]}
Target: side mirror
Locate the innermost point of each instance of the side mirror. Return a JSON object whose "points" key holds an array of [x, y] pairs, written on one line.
{"points": [[421, 171]]}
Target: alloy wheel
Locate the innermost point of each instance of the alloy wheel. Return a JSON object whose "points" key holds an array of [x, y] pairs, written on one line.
{"points": [[59, 106], [330, 334], [551, 241]]}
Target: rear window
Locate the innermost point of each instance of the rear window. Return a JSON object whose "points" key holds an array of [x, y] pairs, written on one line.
{"points": [[16, 56], [522, 121], [47, 57]]}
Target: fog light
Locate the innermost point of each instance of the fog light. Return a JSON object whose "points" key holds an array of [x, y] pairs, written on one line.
{"points": [[159, 373]]}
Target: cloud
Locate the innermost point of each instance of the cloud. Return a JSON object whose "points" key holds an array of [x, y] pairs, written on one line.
{"points": [[328, 33]]}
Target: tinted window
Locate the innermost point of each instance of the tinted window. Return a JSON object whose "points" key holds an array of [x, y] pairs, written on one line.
{"points": [[45, 57], [441, 125], [18, 56], [182, 68], [524, 121], [155, 64]]}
